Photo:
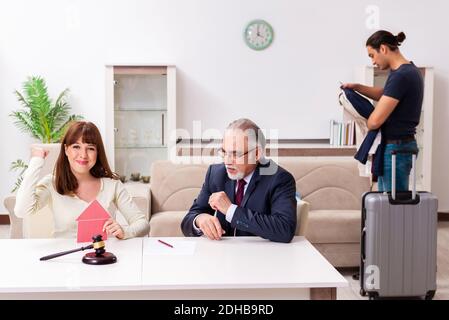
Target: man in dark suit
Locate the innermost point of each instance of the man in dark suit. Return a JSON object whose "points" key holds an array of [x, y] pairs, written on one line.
{"points": [[246, 195]]}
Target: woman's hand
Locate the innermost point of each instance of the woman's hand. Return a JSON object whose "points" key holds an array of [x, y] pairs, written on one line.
{"points": [[113, 228], [39, 152]]}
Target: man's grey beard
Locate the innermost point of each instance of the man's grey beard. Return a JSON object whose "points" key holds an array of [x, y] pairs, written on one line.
{"points": [[238, 176]]}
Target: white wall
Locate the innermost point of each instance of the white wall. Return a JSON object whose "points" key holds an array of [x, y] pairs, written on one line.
{"points": [[291, 86]]}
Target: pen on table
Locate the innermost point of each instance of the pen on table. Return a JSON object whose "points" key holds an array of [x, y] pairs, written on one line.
{"points": [[167, 244]]}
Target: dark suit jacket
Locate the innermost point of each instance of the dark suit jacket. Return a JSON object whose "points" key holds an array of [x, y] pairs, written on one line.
{"points": [[268, 208]]}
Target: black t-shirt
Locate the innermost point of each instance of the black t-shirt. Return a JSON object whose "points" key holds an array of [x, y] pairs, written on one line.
{"points": [[406, 85]]}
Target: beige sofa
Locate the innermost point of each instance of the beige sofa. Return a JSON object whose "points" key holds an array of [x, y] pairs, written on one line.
{"points": [[173, 189], [331, 186], [334, 189]]}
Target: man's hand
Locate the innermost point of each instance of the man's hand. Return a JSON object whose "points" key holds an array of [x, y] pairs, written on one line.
{"points": [[210, 226], [352, 86], [220, 201]]}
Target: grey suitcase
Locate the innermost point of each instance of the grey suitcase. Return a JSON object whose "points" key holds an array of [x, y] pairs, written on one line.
{"points": [[399, 242]]}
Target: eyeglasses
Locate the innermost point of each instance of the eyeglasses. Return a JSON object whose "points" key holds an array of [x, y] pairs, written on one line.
{"points": [[232, 155]]}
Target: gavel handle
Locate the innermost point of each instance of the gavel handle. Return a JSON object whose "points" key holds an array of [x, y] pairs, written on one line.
{"points": [[51, 256]]}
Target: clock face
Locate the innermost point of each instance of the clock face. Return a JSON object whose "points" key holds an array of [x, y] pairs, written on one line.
{"points": [[258, 34]]}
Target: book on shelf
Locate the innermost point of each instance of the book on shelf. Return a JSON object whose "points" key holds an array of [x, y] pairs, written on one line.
{"points": [[342, 133]]}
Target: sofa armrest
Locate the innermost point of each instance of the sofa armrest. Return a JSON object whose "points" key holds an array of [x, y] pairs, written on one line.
{"points": [[141, 195], [15, 222], [302, 214]]}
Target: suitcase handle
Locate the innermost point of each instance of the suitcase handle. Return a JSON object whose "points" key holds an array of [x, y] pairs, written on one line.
{"points": [[362, 244], [414, 153]]}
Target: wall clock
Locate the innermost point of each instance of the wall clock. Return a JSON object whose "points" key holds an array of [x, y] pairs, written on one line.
{"points": [[258, 34]]}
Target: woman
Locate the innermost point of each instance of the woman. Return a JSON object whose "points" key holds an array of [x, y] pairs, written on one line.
{"points": [[81, 175], [399, 105]]}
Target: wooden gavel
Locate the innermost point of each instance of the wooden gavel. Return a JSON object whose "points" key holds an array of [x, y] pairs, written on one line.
{"points": [[99, 257]]}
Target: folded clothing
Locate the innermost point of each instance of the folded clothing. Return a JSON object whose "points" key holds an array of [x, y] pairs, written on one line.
{"points": [[358, 106]]}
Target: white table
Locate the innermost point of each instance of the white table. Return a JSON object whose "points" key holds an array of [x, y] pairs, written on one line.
{"points": [[23, 275], [233, 268]]}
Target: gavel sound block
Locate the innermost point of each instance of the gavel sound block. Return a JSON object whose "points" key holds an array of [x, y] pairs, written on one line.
{"points": [[100, 256]]}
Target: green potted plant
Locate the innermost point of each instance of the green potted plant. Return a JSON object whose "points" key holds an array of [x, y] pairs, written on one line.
{"points": [[40, 117]]}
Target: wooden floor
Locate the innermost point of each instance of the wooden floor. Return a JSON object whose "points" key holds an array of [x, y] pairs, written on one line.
{"points": [[352, 292]]}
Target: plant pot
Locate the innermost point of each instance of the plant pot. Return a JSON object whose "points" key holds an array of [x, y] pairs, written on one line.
{"points": [[145, 179]]}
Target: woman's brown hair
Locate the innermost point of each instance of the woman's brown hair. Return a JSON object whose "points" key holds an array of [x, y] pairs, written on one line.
{"points": [[65, 181]]}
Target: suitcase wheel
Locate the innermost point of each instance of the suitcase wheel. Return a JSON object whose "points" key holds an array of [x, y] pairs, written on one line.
{"points": [[373, 295], [430, 295]]}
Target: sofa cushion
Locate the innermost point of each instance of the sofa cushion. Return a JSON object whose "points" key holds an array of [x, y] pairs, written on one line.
{"points": [[328, 184], [140, 193], [175, 186], [333, 226], [167, 224]]}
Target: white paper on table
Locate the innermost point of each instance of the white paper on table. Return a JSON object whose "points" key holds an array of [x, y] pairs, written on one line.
{"points": [[180, 248]]}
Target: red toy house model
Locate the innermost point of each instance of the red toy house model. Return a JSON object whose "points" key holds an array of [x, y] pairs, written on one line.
{"points": [[91, 222]]}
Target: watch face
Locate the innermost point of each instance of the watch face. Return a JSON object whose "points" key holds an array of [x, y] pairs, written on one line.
{"points": [[258, 34]]}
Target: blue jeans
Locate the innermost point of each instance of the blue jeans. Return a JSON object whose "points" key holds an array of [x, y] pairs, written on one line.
{"points": [[403, 167]]}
